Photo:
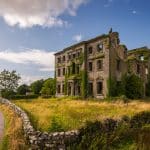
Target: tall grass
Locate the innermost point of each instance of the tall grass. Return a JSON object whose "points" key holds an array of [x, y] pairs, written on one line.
{"points": [[72, 114], [13, 136]]}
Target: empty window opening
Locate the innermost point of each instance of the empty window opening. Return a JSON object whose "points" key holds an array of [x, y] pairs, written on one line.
{"points": [[90, 91], [90, 66], [138, 68], [118, 65], [73, 68], [90, 51], [99, 64], [99, 87], [59, 72], [64, 71], [58, 89]]}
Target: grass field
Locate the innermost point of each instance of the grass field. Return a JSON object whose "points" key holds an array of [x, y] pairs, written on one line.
{"points": [[62, 114], [13, 136]]}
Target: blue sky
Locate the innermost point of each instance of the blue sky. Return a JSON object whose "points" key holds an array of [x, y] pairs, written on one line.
{"points": [[32, 31]]}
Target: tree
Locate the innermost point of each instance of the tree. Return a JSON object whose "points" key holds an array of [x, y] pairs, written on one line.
{"points": [[8, 83], [133, 86], [148, 87], [37, 86], [48, 88], [23, 89]]}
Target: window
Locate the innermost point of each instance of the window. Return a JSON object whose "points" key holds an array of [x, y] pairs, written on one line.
{"points": [[58, 89], [99, 47], [64, 58], [59, 72], [90, 66], [118, 65], [77, 69], [141, 58], [90, 87], [138, 68], [99, 87], [59, 60], [79, 91], [64, 71], [73, 68], [69, 56], [90, 51], [78, 54], [99, 64], [74, 55]]}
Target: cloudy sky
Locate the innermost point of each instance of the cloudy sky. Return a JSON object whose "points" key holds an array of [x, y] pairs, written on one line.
{"points": [[31, 31]]}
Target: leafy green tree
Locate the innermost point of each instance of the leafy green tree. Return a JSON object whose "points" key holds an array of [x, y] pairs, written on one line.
{"points": [[148, 87], [37, 86], [23, 89], [8, 83], [133, 86], [48, 88]]}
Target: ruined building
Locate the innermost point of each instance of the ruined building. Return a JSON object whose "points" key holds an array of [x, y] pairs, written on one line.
{"points": [[87, 68]]}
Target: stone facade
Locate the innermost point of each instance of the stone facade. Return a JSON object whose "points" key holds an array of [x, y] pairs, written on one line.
{"points": [[42, 140], [139, 63], [84, 69]]}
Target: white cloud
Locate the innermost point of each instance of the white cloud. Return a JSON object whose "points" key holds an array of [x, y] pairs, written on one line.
{"points": [[28, 13], [29, 79], [44, 59], [134, 12], [77, 38]]}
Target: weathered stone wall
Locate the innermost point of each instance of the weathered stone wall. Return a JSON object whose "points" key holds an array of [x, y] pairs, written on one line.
{"points": [[38, 139]]}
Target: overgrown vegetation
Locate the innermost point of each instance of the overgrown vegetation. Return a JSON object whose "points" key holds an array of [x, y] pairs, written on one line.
{"points": [[72, 114], [115, 134], [131, 86], [13, 134]]}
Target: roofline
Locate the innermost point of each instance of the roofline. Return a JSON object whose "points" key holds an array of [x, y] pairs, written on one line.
{"points": [[82, 42], [136, 49]]}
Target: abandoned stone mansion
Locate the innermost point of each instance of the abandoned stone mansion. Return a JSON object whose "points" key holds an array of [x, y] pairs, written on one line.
{"points": [[86, 68]]}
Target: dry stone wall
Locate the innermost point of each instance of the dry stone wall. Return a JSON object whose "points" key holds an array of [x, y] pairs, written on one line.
{"points": [[42, 140]]}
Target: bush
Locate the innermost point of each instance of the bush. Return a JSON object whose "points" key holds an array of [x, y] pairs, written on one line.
{"points": [[140, 119], [133, 86], [18, 97], [114, 134], [7, 94], [56, 125]]}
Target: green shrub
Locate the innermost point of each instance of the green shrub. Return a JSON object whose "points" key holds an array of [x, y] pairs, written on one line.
{"points": [[56, 125], [7, 94], [140, 119], [133, 86]]}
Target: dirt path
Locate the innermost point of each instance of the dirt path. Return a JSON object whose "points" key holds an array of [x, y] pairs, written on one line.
{"points": [[1, 125]]}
